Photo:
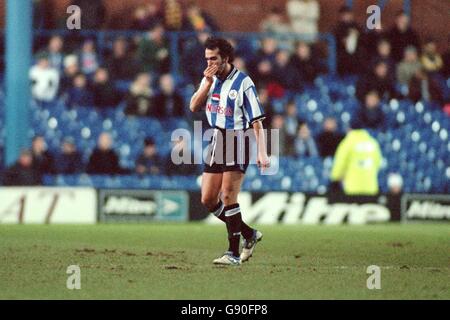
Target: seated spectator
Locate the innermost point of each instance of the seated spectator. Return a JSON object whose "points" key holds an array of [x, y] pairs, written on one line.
{"points": [[422, 87], [55, 53], [285, 74], [139, 101], [145, 17], [370, 115], [104, 159], [88, 58], [377, 80], [304, 16], [43, 160], [69, 160], [149, 162], [105, 94], [44, 80], [383, 53], [168, 103], [279, 145], [274, 22], [198, 20], [349, 45], [401, 36], [431, 59], [291, 127], [263, 75], [80, 95], [267, 51], [306, 65], [372, 38], [71, 70], [153, 52], [305, 146], [121, 64], [329, 139], [23, 172], [408, 67]]}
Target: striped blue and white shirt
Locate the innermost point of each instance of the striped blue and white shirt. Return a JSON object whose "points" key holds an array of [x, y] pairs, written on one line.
{"points": [[233, 103]]}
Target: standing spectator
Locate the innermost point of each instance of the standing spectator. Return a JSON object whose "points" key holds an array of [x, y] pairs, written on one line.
{"points": [[422, 87], [71, 70], [274, 22], [305, 146], [370, 114], [329, 138], [149, 162], [104, 159], [105, 94], [357, 163], [431, 59], [139, 100], [43, 161], [152, 52], [69, 160], [401, 36], [88, 59], [93, 13], [80, 95], [408, 67], [304, 16], [23, 172], [305, 63], [44, 80], [121, 64], [168, 103], [348, 43], [377, 80], [198, 20]]}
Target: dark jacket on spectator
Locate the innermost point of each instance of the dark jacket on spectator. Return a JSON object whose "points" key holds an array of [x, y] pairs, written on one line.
{"points": [[418, 90], [69, 163], [370, 118], [103, 162], [168, 106], [105, 95], [18, 175], [384, 86], [400, 40], [328, 142]]}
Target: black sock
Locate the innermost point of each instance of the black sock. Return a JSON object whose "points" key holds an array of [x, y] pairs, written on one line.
{"points": [[233, 220], [218, 211]]}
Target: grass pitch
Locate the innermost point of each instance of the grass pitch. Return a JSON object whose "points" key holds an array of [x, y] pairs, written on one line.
{"points": [[173, 261]]}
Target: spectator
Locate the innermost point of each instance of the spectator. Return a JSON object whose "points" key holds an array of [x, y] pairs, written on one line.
{"points": [[71, 70], [94, 13], [105, 94], [291, 126], [121, 64], [305, 146], [372, 38], [153, 53], [173, 15], [384, 54], [395, 187], [264, 75], [193, 48], [146, 17], [348, 43], [168, 103], [395, 183], [329, 138], [357, 163], [408, 67], [401, 36], [149, 162], [431, 60], [285, 74], [43, 161], [422, 87], [377, 80], [88, 59], [274, 23], [55, 53], [23, 172], [304, 16], [277, 124], [80, 95], [69, 160], [44, 80], [139, 100], [198, 20], [306, 65], [446, 61], [104, 159], [370, 115]]}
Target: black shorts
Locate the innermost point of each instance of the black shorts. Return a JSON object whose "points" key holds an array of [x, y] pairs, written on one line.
{"points": [[228, 150]]}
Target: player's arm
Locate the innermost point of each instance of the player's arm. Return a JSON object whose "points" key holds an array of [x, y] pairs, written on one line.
{"points": [[200, 97], [262, 158]]}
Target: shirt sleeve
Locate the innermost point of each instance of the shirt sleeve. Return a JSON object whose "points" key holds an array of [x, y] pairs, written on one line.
{"points": [[252, 107]]}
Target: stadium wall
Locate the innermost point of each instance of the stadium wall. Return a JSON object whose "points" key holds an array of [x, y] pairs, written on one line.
{"points": [[49, 205]]}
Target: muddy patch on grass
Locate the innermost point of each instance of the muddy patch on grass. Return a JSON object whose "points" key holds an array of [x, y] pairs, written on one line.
{"points": [[399, 244]]}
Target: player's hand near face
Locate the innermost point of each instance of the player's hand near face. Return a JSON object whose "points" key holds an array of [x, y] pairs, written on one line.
{"points": [[209, 72]]}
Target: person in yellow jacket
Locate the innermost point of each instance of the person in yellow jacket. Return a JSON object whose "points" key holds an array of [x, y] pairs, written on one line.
{"points": [[357, 162]]}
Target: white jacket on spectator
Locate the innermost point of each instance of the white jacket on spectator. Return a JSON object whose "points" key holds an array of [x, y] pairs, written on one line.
{"points": [[304, 17], [44, 82]]}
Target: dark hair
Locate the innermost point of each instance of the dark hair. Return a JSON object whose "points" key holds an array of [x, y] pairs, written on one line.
{"points": [[225, 48]]}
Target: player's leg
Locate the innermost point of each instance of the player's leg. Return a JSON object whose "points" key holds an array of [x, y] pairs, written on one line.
{"points": [[211, 185]]}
